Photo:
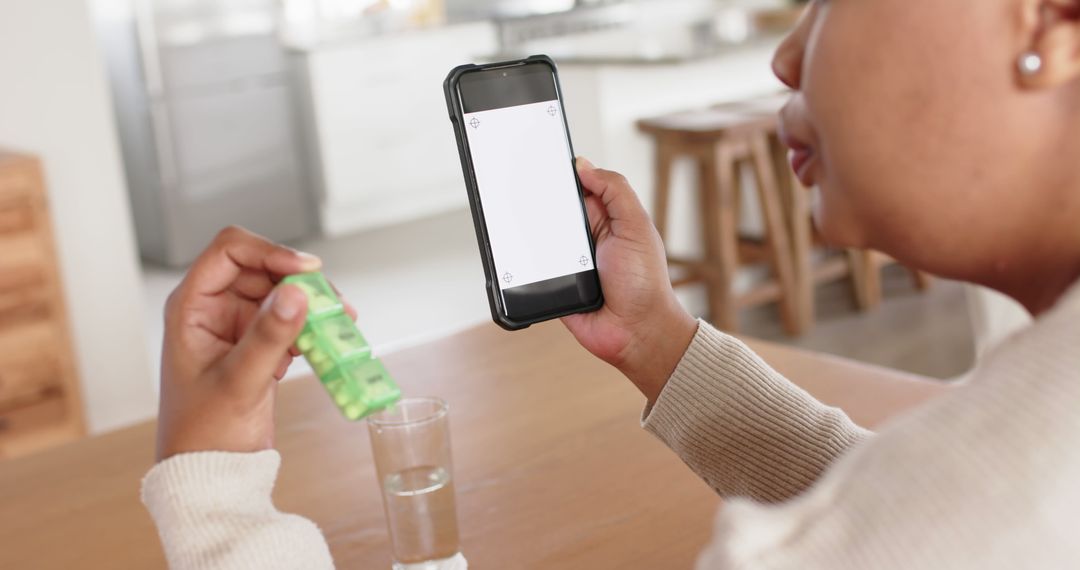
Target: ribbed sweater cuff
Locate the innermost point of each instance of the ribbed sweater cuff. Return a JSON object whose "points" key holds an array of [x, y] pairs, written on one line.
{"points": [[741, 426], [193, 483], [215, 510]]}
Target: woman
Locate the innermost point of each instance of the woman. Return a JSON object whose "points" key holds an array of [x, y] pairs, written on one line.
{"points": [[943, 132]]}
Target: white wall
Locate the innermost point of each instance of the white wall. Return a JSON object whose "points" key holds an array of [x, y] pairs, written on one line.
{"points": [[54, 103]]}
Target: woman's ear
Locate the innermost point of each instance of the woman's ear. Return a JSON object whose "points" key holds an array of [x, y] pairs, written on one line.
{"points": [[1051, 29]]}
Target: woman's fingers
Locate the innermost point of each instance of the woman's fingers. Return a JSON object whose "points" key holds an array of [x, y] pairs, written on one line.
{"points": [[259, 354], [614, 192], [283, 367], [253, 285], [597, 215], [235, 250]]}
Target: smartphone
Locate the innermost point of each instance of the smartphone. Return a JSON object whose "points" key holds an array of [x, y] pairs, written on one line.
{"points": [[527, 202]]}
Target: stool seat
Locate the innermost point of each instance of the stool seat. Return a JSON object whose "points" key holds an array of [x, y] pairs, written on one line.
{"points": [[722, 139], [708, 123]]}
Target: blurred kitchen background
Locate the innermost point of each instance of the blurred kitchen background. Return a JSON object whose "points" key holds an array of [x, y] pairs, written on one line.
{"points": [[321, 123]]}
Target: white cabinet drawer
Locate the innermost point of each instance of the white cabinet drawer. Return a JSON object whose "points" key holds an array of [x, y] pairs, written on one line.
{"points": [[372, 164], [380, 122], [220, 61], [216, 132]]}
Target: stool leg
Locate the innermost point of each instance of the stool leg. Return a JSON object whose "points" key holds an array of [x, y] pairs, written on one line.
{"points": [[801, 251], [922, 280], [866, 278], [797, 206], [717, 171], [664, 163], [776, 234]]}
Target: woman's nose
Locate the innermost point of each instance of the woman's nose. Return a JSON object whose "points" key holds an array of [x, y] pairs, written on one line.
{"points": [[788, 60]]}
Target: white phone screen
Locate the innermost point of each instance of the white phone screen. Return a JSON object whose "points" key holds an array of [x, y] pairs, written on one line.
{"points": [[525, 176]]}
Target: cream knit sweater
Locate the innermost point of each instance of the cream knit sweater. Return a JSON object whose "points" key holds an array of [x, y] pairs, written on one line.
{"points": [[986, 477]]}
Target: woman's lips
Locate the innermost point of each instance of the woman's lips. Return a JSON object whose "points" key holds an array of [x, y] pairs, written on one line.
{"points": [[801, 161], [801, 157]]}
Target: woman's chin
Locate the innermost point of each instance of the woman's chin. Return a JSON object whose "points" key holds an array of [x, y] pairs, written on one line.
{"points": [[836, 231]]}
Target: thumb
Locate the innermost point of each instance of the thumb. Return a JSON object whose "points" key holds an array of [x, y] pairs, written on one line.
{"points": [[272, 332], [614, 192]]}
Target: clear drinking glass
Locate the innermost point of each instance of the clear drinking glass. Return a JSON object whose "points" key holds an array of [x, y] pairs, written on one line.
{"points": [[411, 446]]}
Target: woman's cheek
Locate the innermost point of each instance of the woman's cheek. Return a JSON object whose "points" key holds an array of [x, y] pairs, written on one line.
{"points": [[834, 219], [847, 201], [847, 91]]}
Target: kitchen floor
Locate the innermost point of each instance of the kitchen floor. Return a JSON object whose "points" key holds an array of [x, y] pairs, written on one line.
{"points": [[420, 281], [928, 333]]}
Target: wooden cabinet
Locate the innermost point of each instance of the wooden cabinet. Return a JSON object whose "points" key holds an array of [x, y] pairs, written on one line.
{"points": [[39, 391]]}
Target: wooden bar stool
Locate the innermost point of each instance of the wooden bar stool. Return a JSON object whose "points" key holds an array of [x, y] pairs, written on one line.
{"points": [[721, 142], [862, 266]]}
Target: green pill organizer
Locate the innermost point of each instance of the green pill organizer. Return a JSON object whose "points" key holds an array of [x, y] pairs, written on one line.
{"points": [[339, 354]]}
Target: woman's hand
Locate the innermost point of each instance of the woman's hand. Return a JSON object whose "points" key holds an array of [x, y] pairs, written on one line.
{"points": [[642, 329], [229, 331]]}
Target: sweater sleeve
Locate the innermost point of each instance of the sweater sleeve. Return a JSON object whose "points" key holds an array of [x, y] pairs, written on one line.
{"points": [[742, 427], [214, 510]]}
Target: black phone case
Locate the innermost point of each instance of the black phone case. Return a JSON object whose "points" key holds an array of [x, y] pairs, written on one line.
{"points": [[453, 104]]}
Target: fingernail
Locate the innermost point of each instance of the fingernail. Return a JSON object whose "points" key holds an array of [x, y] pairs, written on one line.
{"points": [[584, 163], [285, 305], [308, 261]]}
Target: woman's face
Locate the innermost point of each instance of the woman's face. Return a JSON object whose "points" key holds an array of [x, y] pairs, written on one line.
{"points": [[909, 118]]}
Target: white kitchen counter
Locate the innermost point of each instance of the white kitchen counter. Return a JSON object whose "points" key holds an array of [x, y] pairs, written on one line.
{"points": [[382, 147], [605, 101]]}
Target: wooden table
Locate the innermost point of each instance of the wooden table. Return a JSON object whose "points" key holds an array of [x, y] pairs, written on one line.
{"points": [[552, 468]]}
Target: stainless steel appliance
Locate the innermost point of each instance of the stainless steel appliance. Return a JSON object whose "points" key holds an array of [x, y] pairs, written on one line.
{"points": [[205, 110]]}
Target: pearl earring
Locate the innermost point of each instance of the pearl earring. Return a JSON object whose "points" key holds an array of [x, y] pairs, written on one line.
{"points": [[1030, 63]]}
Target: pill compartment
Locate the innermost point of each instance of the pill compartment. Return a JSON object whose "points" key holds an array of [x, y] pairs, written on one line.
{"points": [[315, 350], [360, 387], [329, 342], [371, 383], [343, 340], [322, 300], [343, 391], [339, 354]]}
